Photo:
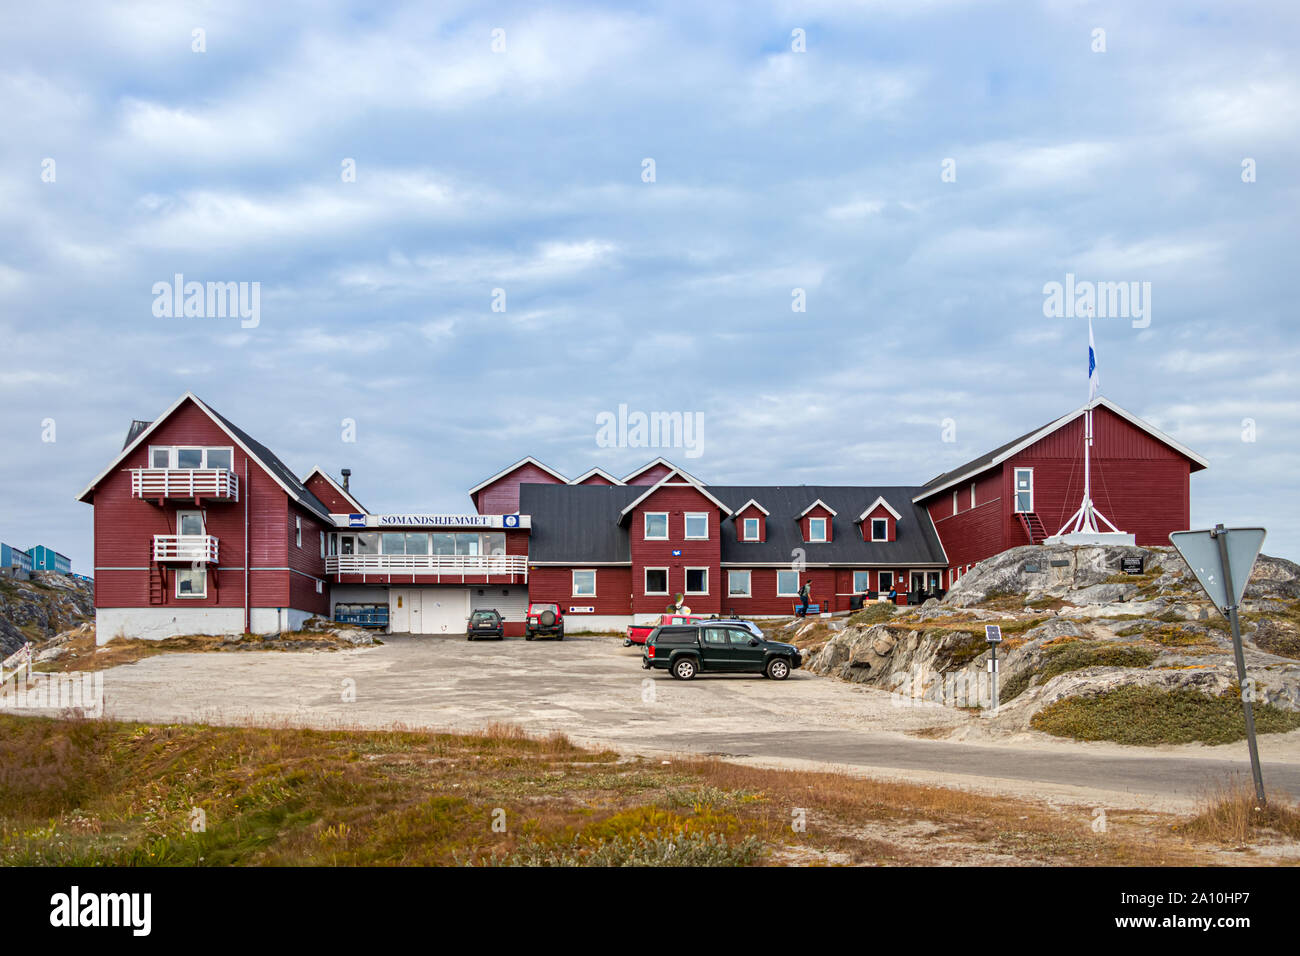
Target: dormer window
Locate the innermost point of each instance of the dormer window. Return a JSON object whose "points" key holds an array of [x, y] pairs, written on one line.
{"points": [[879, 529], [750, 531], [816, 529]]}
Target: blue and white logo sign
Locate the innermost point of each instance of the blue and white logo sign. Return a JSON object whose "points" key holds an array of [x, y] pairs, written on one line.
{"points": [[510, 521], [356, 521], [677, 554]]}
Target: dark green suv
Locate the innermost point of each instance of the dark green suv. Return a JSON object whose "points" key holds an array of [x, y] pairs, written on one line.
{"points": [[716, 647]]}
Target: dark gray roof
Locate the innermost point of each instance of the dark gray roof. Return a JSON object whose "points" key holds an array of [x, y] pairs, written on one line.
{"points": [[917, 542], [577, 523], [976, 465], [134, 431], [275, 466]]}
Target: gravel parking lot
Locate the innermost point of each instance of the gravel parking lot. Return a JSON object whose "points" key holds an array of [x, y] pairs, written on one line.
{"points": [[594, 690]]}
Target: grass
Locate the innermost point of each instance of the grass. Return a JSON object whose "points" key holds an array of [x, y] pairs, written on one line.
{"points": [[1073, 655], [1146, 716], [82, 653], [106, 793], [1232, 816], [876, 612]]}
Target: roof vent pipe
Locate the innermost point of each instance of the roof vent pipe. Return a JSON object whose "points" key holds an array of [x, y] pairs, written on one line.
{"points": [[347, 474]]}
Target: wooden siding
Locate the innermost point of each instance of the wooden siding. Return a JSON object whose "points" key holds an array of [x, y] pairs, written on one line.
{"points": [[332, 500], [502, 496], [651, 476], [676, 500], [613, 588], [124, 528]]}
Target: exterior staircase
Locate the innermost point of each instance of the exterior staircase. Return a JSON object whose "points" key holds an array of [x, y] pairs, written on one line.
{"points": [[1033, 526]]}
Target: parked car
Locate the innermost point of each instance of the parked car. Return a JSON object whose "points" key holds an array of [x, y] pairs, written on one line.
{"points": [[717, 647], [544, 620], [484, 625], [637, 633]]}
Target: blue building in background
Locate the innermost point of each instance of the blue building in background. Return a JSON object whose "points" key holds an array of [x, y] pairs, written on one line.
{"points": [[47, 559], [11, 557]]}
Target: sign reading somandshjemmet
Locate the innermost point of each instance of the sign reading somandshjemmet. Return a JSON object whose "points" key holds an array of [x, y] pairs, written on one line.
{"points": [[507, 522]]}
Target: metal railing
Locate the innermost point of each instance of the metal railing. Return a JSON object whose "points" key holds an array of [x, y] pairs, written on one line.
{"points": [[184, 483], [453, 564], [185, 547]]}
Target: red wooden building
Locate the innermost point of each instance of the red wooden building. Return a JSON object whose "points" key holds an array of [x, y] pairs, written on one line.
{"points": [[201, 529]]}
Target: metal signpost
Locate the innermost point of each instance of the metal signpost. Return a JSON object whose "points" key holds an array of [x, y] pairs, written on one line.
{"points": [[993, 634], [1222, 559]]}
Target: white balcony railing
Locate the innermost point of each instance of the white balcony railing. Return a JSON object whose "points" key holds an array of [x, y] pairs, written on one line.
{"points": [[185, 547], [441, 564], [184, 483]]}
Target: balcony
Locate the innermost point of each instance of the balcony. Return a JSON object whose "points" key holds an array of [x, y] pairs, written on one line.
{"points": [[217, 484], [185, 547], [442, 565]]}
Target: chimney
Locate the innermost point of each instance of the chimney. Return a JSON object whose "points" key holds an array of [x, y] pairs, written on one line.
{"points": [[347, 474]]}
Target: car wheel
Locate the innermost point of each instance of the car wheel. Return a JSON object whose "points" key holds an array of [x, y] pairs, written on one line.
{"points": [[469, 637], [528, 637], [626, 642], [778, 668], [684, 669]]}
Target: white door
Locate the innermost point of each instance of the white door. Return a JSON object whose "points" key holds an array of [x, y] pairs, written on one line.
{"points": [[399, 610], [444, 611]]}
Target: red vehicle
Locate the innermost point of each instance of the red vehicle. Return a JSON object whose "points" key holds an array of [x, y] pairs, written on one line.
{"points": [[544, 620], [637, 633]]}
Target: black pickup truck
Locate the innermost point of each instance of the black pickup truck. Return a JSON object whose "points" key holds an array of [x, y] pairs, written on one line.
{"points": [[716, 647]]}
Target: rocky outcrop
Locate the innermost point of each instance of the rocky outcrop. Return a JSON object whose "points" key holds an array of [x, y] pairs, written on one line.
{"points": [[38, 609], [1075, 625]]}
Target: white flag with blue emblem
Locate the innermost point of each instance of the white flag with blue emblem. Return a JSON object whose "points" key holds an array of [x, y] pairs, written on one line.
{"points": [[1093, 383]]}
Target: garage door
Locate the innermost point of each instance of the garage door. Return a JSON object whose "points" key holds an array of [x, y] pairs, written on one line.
{"points": [[428, 610], [512, 603]]}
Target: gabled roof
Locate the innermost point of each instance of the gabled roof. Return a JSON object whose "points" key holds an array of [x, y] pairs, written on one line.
{"points": [[874, 505], [659, 461], [1016, 445], [751, 501], [529, 460], [834, 513], [676, 472], [598, 472], [254, 449], [343, 492]]}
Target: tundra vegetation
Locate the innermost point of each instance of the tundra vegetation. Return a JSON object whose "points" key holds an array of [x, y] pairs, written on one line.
{"points": [[93, 793]]}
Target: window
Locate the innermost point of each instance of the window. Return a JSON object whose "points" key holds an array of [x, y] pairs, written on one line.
{"points": [[816, 529], [190, 456], [320, 586], [738, 637], [972, 494], [368, 543], [697, 580], [656, 526], [584, 583], [322, 544], [879, 529], [738, 584], [656, 580], [787, 583], [394, 542], [697, 526], [751, 529], [954, 502], [189, 522], [191, 583], [886, 580], [417, 542], [297, 531], [494, 542], [1024, 489], [861, 581], [717, 636]]}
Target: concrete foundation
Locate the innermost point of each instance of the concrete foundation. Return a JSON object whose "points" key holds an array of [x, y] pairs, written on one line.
{"points": [[156, 623]]}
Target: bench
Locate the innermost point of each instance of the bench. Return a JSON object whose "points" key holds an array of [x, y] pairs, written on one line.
{"points": [[812, 608]]}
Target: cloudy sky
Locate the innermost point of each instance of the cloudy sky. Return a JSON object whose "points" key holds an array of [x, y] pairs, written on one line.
{"points": [[501, 146]]}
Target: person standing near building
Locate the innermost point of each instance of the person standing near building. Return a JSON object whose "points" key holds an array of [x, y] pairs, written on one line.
{"points": [[805, 596]]}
